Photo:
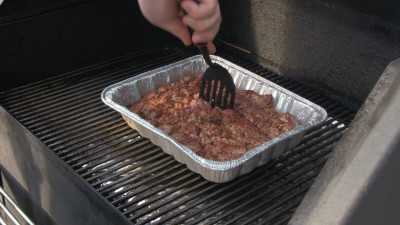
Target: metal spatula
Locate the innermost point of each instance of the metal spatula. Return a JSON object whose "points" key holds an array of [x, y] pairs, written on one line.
{"points": [[217, 86]]}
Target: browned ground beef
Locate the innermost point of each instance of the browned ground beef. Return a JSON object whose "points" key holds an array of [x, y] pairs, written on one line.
{"points": [[211, 132]]}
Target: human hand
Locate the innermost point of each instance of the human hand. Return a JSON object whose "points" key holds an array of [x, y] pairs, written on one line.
{"points": [[204, 18]]}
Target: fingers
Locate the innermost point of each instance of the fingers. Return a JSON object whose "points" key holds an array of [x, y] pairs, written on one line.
{"points": [[204, 18], [211, 47], [167, 15], [202, 10], [180, 30]]}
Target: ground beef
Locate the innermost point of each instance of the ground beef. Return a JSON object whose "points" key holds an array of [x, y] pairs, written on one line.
{"points": [[211, 132]]}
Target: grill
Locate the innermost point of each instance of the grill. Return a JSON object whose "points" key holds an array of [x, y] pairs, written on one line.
{"points": [[142, 182]]}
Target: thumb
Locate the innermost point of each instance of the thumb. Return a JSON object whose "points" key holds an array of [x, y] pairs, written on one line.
{"points": [[211, 47]]}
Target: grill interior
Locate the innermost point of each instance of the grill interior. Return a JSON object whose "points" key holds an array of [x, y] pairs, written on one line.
{"points": [[145, 184]]}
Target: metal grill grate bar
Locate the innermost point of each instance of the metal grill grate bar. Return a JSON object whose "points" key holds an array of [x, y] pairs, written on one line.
{"points": [[188, 186], [111, 151], [178, 176], [148, 156], [108, 130], [73, 129], [156, 166]]}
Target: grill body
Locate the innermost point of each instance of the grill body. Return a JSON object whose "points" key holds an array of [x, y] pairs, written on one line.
{"points": [[93, 152]]}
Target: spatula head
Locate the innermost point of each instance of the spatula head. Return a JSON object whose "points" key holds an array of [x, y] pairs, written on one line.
{"points": [[217, 87]]}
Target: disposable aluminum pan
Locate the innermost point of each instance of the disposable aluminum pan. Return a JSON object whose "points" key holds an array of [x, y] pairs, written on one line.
{"points": [[121, 95]]}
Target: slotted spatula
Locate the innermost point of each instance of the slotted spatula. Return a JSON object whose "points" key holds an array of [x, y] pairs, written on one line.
{"points": [[217, 86]]}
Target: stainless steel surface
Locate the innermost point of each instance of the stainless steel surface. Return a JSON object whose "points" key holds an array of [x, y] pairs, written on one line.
{"points": [[359, 184], [123, 94], [9, 206]]}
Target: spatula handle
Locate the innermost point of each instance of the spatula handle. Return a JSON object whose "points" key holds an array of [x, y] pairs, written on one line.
{"points": [[202, 46], [204, 51]]}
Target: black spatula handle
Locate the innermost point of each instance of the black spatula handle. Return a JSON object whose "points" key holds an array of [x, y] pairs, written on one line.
{"points": [[202, 46], [204, 51]]}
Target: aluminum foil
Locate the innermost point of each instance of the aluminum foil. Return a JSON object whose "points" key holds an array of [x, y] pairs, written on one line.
{"points": [[121, 95]]}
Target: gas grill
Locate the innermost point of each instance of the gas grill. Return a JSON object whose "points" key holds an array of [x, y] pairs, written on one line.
{"points": [[69, 159], [140, 180]]}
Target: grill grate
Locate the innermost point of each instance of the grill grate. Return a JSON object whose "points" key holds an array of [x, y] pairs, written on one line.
{"points": [[147, 185]]}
